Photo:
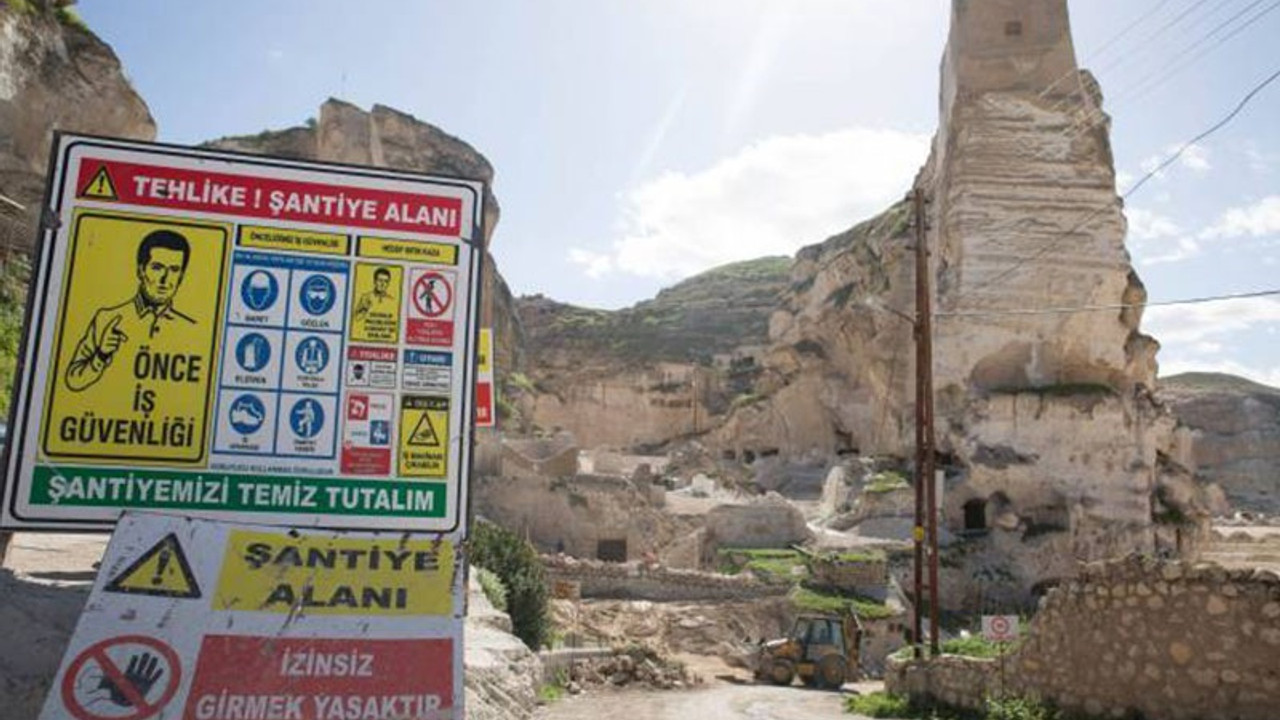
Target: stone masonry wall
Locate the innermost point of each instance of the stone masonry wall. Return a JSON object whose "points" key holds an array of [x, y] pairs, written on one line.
{"points": [[1169, 640], [637, 581]]}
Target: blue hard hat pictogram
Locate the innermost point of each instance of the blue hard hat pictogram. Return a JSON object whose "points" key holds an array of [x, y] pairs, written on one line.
{"points": [[253, 352], [259, 290], [306, 418], [312, 355], [247, 414], [317, 294]]}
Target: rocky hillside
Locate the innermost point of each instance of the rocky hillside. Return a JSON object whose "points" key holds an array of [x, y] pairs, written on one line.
{"points": [[1235, 427], [714, 313], [662, 370]]}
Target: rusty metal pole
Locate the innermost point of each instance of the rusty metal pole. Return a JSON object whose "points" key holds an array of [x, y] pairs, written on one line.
{"points": [[917, 530], [925, 441]]}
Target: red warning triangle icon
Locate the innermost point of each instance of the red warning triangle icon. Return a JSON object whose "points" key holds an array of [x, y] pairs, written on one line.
{"points": [[100, 186]]}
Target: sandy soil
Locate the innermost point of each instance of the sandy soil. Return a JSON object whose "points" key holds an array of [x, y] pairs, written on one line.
{"points": [[719, 700]]}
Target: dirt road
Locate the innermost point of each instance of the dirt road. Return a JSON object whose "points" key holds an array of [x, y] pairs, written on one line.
{"points": [[720, 701]]}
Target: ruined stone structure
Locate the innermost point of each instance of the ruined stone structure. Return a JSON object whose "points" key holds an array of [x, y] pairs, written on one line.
{"points": [[1022, 215], [1168, 640]]}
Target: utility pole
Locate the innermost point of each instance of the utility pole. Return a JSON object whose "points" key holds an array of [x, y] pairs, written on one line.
{"points": [[926, 515]]}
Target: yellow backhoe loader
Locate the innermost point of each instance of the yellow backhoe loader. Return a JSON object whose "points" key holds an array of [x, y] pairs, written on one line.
{"points": [[821, 649]]}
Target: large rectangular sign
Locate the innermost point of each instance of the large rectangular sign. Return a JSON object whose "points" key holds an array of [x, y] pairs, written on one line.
{"points": [[248, 339], [200, 620]]}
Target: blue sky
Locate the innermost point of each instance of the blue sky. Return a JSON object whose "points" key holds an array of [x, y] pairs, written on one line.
{"points": [[638, 142]]}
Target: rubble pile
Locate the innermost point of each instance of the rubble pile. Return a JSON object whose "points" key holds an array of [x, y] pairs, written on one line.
{"points": [[633, 665]]}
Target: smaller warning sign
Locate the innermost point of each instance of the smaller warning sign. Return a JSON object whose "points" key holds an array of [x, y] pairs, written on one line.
{"points": [[424, 436], [1000, 628], [130, 677], [100, 186], [279, 573], [430, 308], [484, 380], [375, 313], [162, 571], [366, 434], [371, 367]]}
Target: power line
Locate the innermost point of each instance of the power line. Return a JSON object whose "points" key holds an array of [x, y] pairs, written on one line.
{"points": [[1112, 306], [1050, 244]]}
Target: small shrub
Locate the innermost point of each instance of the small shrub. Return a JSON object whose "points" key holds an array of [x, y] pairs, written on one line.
{"points": [[885, 482], [493, 588], [516, 564], [972, 646], [878, 705], [1016, 708]]}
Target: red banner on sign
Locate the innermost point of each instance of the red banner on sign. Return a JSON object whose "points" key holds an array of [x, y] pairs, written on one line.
{"points": [[313, 679], [259, 197]]}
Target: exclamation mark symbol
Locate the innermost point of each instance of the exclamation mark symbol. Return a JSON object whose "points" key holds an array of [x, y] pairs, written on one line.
{"points": [[101, 183], [162, 564]]}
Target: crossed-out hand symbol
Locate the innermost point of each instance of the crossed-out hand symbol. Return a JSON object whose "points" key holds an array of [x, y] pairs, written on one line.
{"points": [[142, 673]]}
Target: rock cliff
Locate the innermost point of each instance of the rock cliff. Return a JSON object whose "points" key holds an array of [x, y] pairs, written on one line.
{"points": [[1022, 218], [55, 74], [1235, 435]]}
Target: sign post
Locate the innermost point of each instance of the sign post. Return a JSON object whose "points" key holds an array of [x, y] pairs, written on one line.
{"points": [[1002, 630]]}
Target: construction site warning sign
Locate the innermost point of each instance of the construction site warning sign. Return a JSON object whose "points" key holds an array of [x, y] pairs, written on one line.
{"points": [[241, 338], [297, 623]]}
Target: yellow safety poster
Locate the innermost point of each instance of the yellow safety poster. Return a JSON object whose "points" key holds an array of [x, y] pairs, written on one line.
{"points": [[375, 309], [137, 340], [424, 436]]}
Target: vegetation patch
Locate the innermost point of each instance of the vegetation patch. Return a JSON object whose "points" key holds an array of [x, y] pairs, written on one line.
{"points": [[886, 482], [14, 276], [770, 565], [825, 602], [516, 564], [884, 705]]}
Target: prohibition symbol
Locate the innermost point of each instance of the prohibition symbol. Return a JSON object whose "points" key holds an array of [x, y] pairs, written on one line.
{"points": [[999, 625], [432, 294], [131, 677]]}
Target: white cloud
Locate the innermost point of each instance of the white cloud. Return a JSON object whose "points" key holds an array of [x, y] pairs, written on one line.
{"points": [[1148, 225], [1154, 238], [770, 198], [1261, 218], [1194, 158], [594, 264], [1183, 326], [1184, 248]]}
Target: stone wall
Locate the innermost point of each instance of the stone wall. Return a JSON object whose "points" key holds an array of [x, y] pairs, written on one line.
{"points": [[1169, 640], [637, 581], [768, 522]]}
